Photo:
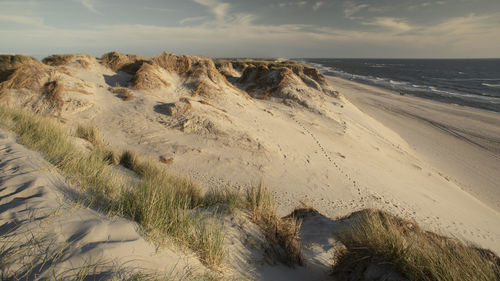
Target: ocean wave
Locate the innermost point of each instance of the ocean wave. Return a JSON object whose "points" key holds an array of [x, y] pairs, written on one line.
{"points": [[397, 82], [426, 86], [491, 85], [471, 97]]}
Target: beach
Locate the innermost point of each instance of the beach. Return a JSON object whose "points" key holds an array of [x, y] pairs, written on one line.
{"points": [[462, 142]]}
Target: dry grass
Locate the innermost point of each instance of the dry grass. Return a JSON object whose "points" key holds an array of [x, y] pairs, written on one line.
{"points": [[204, 89], [123, 93], [59, 60], [241, 64], [227, 200], [92, 135], [123, 62], [378, 237], [148, 78], [30, 75], [56, 60], [171, 62], [163, 204], [9, 63], [89, 133], [53, 91], [281, 233]]}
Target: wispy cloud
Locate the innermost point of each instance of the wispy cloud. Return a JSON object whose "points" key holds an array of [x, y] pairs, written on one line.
{"points": [[351, 9], [217, 8], [318, 5], [89, 4], [396, 24], [426, 4], [191, 19], [299, 4], [22, 20]]}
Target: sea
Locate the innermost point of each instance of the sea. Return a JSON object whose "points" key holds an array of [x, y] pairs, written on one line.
{"points": [[467, 82]]}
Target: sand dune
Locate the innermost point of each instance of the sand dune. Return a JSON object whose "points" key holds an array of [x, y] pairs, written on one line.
{"points": [[60, 236], [325, 152]]}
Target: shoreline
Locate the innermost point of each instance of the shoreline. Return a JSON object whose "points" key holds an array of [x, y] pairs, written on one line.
{"points": [[462, 142]]}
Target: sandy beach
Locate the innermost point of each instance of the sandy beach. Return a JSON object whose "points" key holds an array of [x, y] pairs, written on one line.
{"points": [[462, 142]]}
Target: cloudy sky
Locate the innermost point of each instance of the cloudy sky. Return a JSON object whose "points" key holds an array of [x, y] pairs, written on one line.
{"points": [[254, 28]]}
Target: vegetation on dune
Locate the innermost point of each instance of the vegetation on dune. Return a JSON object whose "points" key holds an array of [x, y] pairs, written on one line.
{"points": [[123, 62], [282, 233], [31, 74], [164, 205], [9, 63], [123, 93], [376, 237], [243, 63], [170, 207], [56, 60]]}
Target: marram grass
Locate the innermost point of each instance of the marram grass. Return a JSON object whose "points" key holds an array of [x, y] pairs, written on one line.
{"points": [[165, 205]]}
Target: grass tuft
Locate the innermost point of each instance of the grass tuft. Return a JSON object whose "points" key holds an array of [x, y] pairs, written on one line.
{"points": [[123, 93], [378, 237], [281, 233], [89, 133], [227, 200]]}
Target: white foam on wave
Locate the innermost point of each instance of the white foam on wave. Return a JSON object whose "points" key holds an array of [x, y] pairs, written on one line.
{"points": [[405, 86], [397, 82], [471, 97], [491, 85]]}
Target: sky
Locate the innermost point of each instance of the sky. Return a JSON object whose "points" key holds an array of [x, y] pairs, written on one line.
{"points": [[254, 28]]}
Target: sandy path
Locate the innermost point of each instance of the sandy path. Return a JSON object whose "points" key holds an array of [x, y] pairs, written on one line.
{"points": [[463, 143]]}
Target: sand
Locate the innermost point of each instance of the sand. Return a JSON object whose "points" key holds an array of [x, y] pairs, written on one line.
{"points": [[59, 236], [368, 148], [462, 142]]}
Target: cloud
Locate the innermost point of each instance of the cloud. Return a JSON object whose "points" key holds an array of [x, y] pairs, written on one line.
{"points": [[22, 20], [238, 35], [351, 9], [191, 19], [90, 6], [426, 4], [217, 8], [318, 5], [299, 4], [396, 24]]}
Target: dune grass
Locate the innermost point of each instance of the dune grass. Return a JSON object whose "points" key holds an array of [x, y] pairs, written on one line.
{"points": [[164, 205], [227, 200], [56, 60], [281, 233], [123, 93], [376, 236]]}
